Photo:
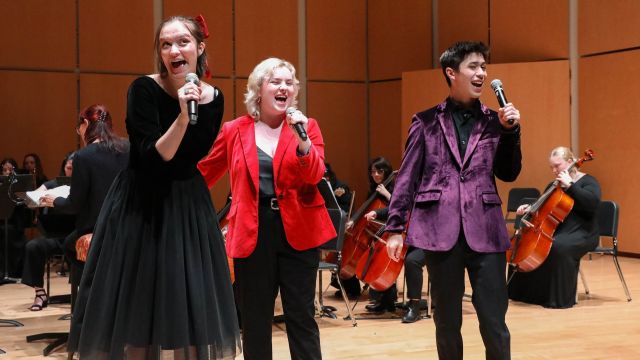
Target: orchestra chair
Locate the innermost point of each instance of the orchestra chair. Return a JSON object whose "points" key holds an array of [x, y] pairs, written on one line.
{"points": [[339, 220], [516, 195], [608, 216]]}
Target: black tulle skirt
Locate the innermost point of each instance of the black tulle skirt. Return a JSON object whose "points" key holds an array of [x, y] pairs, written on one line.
{"points": [[156, 283]]}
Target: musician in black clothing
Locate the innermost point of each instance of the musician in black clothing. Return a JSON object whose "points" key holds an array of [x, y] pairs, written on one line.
{"points": [[94, 168], [55, 227], [16, 223], [340, 189]]}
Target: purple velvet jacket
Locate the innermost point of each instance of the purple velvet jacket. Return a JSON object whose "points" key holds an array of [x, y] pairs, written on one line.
{"points": [[441, 191]]}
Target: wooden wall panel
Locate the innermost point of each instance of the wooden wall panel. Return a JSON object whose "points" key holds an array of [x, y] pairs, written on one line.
{"points": [[539, 90], [110, 90], [39, 34], [117, 36], [609, 125], [529, 30], [262, 32], [336, 40], [399, 37], [607, 25], [385, 120], [462, 20], [219, 17], [241, 89], [340, 109], [226, 86], [43, 124]]}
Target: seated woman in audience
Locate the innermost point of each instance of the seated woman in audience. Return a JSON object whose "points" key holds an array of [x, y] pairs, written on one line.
{"points": [[9, 166], [31, 164], [555, 282], [55, 227]]}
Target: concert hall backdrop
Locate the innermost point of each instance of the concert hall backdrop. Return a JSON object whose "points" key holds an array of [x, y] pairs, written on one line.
{"points": [[572, 67]]}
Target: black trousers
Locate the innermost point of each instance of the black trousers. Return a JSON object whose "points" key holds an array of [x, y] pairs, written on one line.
{"points": [[274, 265], [487, 276], [413, 264], [37, 251]]}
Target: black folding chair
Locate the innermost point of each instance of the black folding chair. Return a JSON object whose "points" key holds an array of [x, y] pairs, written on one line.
{"points": [[515, 199], [339, 220], [608, 215]]}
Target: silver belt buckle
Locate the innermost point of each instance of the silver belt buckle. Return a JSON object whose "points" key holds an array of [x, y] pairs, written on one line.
{"points": [[274, 204]]}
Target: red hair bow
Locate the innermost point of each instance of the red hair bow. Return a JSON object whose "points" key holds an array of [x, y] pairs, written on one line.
{"points": [[203, 25]]}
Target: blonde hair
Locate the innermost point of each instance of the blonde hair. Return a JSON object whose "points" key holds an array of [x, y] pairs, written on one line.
{"points": [[263, 71], [563, 152]]}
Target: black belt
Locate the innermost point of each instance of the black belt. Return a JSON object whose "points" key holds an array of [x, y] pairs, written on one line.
{"points": [[270, 202]]}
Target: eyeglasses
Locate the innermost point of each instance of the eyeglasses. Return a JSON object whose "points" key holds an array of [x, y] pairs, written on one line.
{"points": [[377, 172]]}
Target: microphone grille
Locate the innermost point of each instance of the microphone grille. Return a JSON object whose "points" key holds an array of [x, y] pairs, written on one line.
{"points": [[192, 78], [291, 110], [496, 83]]}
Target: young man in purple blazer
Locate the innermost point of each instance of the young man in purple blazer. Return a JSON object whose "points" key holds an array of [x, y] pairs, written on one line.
{"points": [[446, 186]]}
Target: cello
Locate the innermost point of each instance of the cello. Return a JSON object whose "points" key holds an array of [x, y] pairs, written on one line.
{"points": [[376, 268], [355, 245], [531, 243]]}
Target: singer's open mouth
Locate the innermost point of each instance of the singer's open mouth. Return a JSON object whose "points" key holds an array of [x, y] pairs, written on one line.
{"points": [[281, 98], [177, 64], [476, 84]]}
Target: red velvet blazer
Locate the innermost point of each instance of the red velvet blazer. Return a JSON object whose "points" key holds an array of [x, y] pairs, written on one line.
{"points": [[304, 216]]}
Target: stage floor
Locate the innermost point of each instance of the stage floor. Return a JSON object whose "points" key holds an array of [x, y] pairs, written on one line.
{"points": [[602, 326]]}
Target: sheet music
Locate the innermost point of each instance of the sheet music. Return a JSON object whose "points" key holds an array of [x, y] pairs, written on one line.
{"points": [[33, 197]]}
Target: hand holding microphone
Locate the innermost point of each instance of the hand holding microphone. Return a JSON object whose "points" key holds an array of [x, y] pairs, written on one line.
{"points": [[192, 104], [511, 113], [302, 133]]}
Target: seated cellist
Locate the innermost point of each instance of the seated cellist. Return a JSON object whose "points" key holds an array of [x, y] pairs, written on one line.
{"points": [[554, 283]]}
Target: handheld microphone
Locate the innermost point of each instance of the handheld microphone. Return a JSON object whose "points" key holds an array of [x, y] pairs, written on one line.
{"points": [[299, 128], [496, 85], [192, 105]]}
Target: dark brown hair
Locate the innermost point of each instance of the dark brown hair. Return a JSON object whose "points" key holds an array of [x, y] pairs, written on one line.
{"points": [[100, 127], [197, 33]]}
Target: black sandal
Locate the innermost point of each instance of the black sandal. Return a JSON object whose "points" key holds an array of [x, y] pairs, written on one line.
{"points": [[44, 300]]}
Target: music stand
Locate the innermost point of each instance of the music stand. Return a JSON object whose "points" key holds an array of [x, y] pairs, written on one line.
{"points": [[9, 185]]}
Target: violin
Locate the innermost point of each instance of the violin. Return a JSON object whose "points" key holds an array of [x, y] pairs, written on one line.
{"points": [[375, 267], [223, 223], [531, 243], [355, 245]]}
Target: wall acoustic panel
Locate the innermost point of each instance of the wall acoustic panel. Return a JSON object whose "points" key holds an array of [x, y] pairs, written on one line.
{"points": [[399, 37], [607, 25], [117, 36], [262, 32], [40, 34], [529, 30], [340, 109], [609, 125], [41, 124], [219, 18], [241, 89], [539, 90], [462, 20], [336, 40], [110, 90], [385, 121]]}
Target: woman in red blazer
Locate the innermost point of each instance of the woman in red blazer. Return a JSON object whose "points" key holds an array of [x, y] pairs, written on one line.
{"points": [[277, 217]]}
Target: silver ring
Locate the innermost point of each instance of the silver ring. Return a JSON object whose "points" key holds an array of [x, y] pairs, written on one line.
{"points": [[187, 91]]}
